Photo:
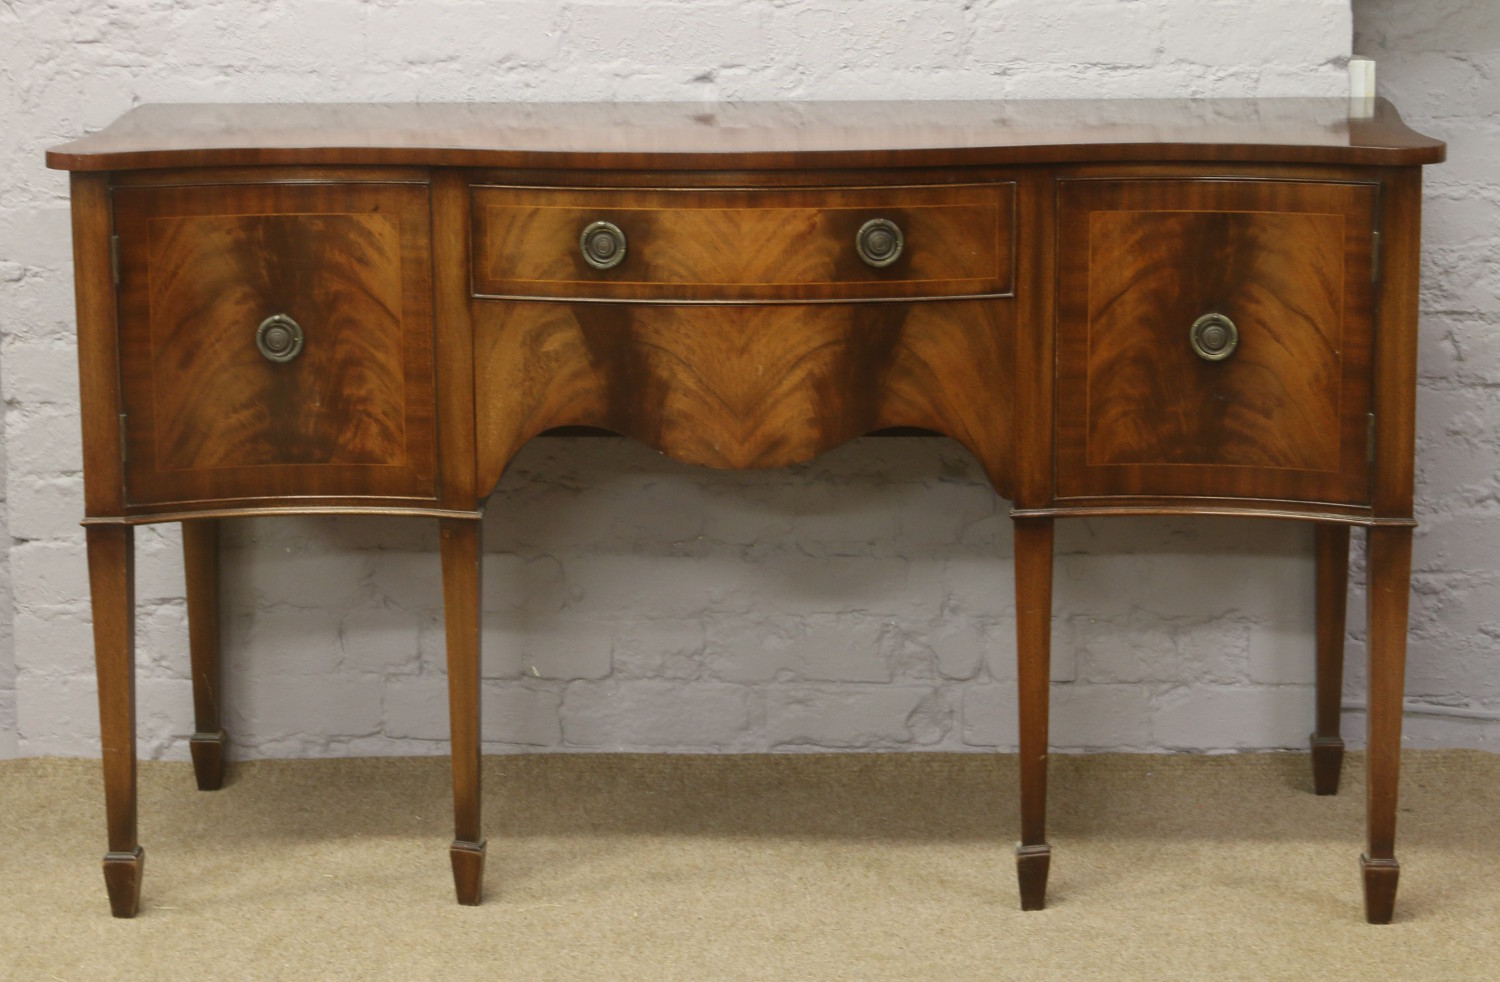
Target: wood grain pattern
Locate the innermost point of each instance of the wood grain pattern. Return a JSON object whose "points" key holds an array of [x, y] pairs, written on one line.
{"points": [[98, 346], [744, 386], [1036, 354], [454, 368], [696, 244], [219, 404], [1033, 691], [461, 613], [1387, 596], [111, 557], [1396, 344], [208, 415], [766, 136], [1286, 416], [200, 567], [1331, 551]]}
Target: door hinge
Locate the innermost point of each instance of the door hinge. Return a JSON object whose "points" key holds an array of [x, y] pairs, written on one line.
{"points": [[1370, 439], [114, 258], [1375, 258], [124, 444]]}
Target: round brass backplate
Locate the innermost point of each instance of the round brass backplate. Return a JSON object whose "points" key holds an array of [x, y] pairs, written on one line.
{"points": [[879, 242], [603, 245], [279, 338], [1214, 337]]}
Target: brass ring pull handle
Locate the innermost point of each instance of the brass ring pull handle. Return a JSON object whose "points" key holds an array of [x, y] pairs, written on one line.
{"points": [[279, 338], [879, 242], [603, 245], [1214, 337]]}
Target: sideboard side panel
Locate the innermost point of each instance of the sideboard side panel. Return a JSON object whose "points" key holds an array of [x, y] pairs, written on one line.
{"points": [[98, 347], [1396, 343]]}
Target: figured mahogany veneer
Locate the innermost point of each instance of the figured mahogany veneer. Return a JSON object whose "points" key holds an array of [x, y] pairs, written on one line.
{"points": [[1117, 307], [206, 416], [1287, 413], [722, 245], [743, 386]]}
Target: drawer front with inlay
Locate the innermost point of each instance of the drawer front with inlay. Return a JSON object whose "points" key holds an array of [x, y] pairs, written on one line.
{"points": [[735, 245], [1214, 339], [276, 340]]}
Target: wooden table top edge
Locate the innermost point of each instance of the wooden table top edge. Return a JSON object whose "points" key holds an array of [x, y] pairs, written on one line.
{"points": [[757, 135]]}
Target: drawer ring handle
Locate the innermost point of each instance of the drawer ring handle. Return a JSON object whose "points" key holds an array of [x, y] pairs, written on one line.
{"points": [[879, 242], [603, 245], [279, 338], [1214, 337]]}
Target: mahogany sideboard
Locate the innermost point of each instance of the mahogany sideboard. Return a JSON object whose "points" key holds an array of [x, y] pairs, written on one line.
{"points": [[1120, 308]]}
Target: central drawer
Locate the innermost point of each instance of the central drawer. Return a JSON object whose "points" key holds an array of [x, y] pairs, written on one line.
{"points": [[783, 244]]}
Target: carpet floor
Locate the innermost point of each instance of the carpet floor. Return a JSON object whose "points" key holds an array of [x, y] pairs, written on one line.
{"points": [[786, 867]]}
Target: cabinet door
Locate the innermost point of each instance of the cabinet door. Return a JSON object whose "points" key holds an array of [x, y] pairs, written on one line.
{"points": [[1214, 339], [276, 341]]}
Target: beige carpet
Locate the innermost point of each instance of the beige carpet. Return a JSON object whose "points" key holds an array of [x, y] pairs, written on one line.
{"points": [[765, 868]]}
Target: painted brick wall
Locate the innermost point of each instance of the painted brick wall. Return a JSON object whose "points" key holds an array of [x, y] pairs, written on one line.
{"points": [[860, 601], [1440, 61]]}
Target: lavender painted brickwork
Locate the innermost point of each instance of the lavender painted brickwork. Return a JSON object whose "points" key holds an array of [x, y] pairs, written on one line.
{"points": [[861, 601], [1440, 62]]}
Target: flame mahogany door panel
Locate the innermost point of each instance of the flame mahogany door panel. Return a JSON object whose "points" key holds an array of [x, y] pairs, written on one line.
{"points": [[1286, 414], [208, 417]]}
